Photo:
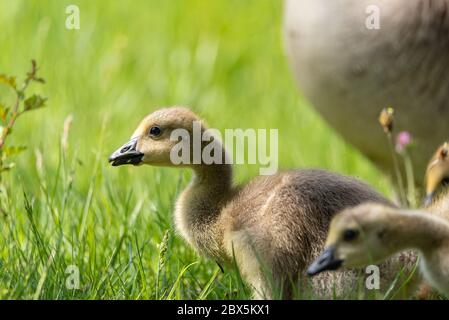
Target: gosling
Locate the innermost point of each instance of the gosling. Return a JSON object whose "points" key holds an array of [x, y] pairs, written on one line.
{"points": [[437, 173], [274, 223], [370, 233]]}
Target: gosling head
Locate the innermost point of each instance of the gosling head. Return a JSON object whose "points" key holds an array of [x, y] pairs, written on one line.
{"points": [[437, 172], [151, 142], [357, 237]]}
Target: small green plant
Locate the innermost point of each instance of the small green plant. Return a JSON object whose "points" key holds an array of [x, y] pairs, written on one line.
{"points": [[9, 115]]}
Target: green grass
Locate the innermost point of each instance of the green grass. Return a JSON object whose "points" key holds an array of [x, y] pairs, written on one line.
{"points": [[223, 58]]}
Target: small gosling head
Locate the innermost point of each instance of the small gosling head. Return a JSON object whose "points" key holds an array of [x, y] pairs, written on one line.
{"points": [[437, 172], [151, 142], [357, 237]]}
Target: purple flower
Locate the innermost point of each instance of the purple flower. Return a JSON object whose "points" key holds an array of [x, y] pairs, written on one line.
{"points": [[403, 140]]}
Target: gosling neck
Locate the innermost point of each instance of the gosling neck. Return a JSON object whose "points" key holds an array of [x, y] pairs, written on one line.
{"points": [[216, 177], [419, 230], [200, 207], [209, 190]]}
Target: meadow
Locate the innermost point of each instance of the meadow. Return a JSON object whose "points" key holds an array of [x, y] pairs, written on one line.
{"points": [[67, 209]]}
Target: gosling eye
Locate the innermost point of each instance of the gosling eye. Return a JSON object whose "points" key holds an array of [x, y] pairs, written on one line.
{"points": [[155, 131], [350, 234]]}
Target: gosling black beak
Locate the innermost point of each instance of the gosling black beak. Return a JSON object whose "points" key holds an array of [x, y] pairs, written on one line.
{"points": [[326, 261], [126, 154]]}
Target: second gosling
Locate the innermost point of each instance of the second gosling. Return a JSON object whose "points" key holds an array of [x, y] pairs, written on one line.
{"points": [[370, 233], [274, 223], [437, 173]]}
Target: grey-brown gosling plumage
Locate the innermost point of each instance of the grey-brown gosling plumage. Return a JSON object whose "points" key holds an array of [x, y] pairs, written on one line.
{"points": [[274, 223], [370, 233], [349, 69], [437, 173], [376, 244]]}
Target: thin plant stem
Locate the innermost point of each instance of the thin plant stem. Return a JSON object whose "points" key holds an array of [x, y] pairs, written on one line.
{"points": [[410, 180], [400, 183]]}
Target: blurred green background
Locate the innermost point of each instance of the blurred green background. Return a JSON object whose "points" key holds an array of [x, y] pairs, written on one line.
{"points": [[223, 58]]}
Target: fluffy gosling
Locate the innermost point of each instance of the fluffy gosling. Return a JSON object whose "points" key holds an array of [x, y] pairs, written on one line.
{"points": [[437, 173], [370, 233], [274, 223]]}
